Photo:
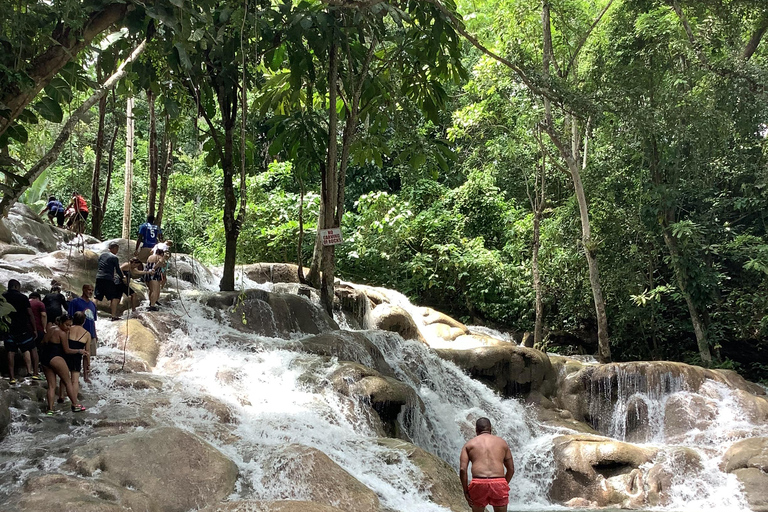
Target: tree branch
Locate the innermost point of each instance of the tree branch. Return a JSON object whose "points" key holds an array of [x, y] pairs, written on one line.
{"points": [[757, 36], [584, 39], [64, 47], [52, 154]]}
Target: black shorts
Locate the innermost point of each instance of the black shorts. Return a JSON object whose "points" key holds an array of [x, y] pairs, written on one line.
{"points": [[126, 289], [107, 288], [24, 343], [58, 216]]}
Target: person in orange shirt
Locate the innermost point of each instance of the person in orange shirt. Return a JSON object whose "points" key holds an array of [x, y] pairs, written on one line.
{"points": [[80, 205]]}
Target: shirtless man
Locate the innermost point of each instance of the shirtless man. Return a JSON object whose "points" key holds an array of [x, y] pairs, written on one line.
{"points": [[490, 456]]}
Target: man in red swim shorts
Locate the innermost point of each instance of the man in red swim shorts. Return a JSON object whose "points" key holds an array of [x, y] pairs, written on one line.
{"points": [[492, 469]]}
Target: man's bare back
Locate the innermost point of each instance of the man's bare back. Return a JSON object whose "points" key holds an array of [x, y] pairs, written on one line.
{"points": [[492, 469]]}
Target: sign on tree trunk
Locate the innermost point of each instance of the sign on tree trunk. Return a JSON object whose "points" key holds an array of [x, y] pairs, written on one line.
{"points": [[331, 236]]}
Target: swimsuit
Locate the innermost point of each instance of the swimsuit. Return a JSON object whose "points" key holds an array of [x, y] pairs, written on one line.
{"points": [[489, 491], [75, 361], [48, 351], [153, 274]]}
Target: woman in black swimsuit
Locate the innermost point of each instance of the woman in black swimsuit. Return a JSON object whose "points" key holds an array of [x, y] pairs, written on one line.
{"points": [[75, 347], [52, 359]]}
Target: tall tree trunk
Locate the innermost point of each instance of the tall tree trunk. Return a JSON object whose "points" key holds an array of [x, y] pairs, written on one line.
{"points": [[230, 203], [300, 244], [330, 185], [110, 168], [681, 276], [590, 251], [313, 278], [164, 174], [128, 196], [152, 199], [97, 214]]}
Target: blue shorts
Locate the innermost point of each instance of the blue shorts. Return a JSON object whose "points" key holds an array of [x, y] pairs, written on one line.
{"points": [[23, 343]]}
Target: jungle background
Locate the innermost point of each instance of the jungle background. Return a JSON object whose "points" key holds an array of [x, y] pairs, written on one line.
{"points": [[459, 168]]}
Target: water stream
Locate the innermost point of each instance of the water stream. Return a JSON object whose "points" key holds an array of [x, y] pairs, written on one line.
{"points": [[275, 395]]}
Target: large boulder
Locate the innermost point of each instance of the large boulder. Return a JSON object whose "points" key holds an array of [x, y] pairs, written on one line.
{"points": [[601, 470], [386, 395], [272, 506], [748, 460], [440, 325], [273, 272], [353, 346], [591, 392], [5, 411], [140, 341], [276, 315], [388, 317], [177, 469], [439, 481], [511, 370], [64, 493], [354, 305], [308, 473]]}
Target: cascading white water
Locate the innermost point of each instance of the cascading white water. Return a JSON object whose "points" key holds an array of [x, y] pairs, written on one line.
{"points": [[274, 394]]}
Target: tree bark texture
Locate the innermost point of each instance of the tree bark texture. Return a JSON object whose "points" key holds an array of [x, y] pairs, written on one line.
{"points": [[164, 174], [23, 182], [228, 104], [330, 185], [152, 194], [110, 168], [65, 45], [96, 212], [681, 276], [128, 195]]}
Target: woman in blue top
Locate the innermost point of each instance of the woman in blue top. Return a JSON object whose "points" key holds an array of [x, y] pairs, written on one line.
{"points": [[55, 210]]}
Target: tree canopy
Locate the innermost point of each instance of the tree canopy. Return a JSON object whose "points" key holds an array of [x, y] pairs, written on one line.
{"points": [[590, 171]]}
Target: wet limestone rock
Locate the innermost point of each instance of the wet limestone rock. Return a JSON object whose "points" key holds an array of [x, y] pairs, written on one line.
{"points": [[272, 506], [354, 305], [388, 317], [748, 460], [63, 493], [140, 341], [271, 314], [5, 411], [177, 469], [511, 370], [439, 480], [684, 413], [309, 474], [440, 325], [386, 395], [668, 466], [349, 346], [599, 469], [273, 272]]}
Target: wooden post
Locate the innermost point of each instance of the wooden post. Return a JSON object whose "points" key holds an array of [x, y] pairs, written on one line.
{"points": [[128, 170]]}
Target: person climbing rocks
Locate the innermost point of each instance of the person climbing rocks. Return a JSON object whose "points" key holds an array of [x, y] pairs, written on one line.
{"points": [[21, 332], [490, 457], [75, 348], [77, 222], [149, 235], [166, 248], [132, 269], [41, 319], [109, 278], [154, 277], [54, 364], [55, 304], [87, 306], [55, 211]]}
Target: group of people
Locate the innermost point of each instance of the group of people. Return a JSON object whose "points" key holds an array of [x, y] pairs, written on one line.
{"points": [[59, 335], [148, 264], [74, 215], [55, 334]]}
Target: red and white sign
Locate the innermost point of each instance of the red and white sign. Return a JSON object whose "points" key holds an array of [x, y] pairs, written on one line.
{"points": [[331, 236]]}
